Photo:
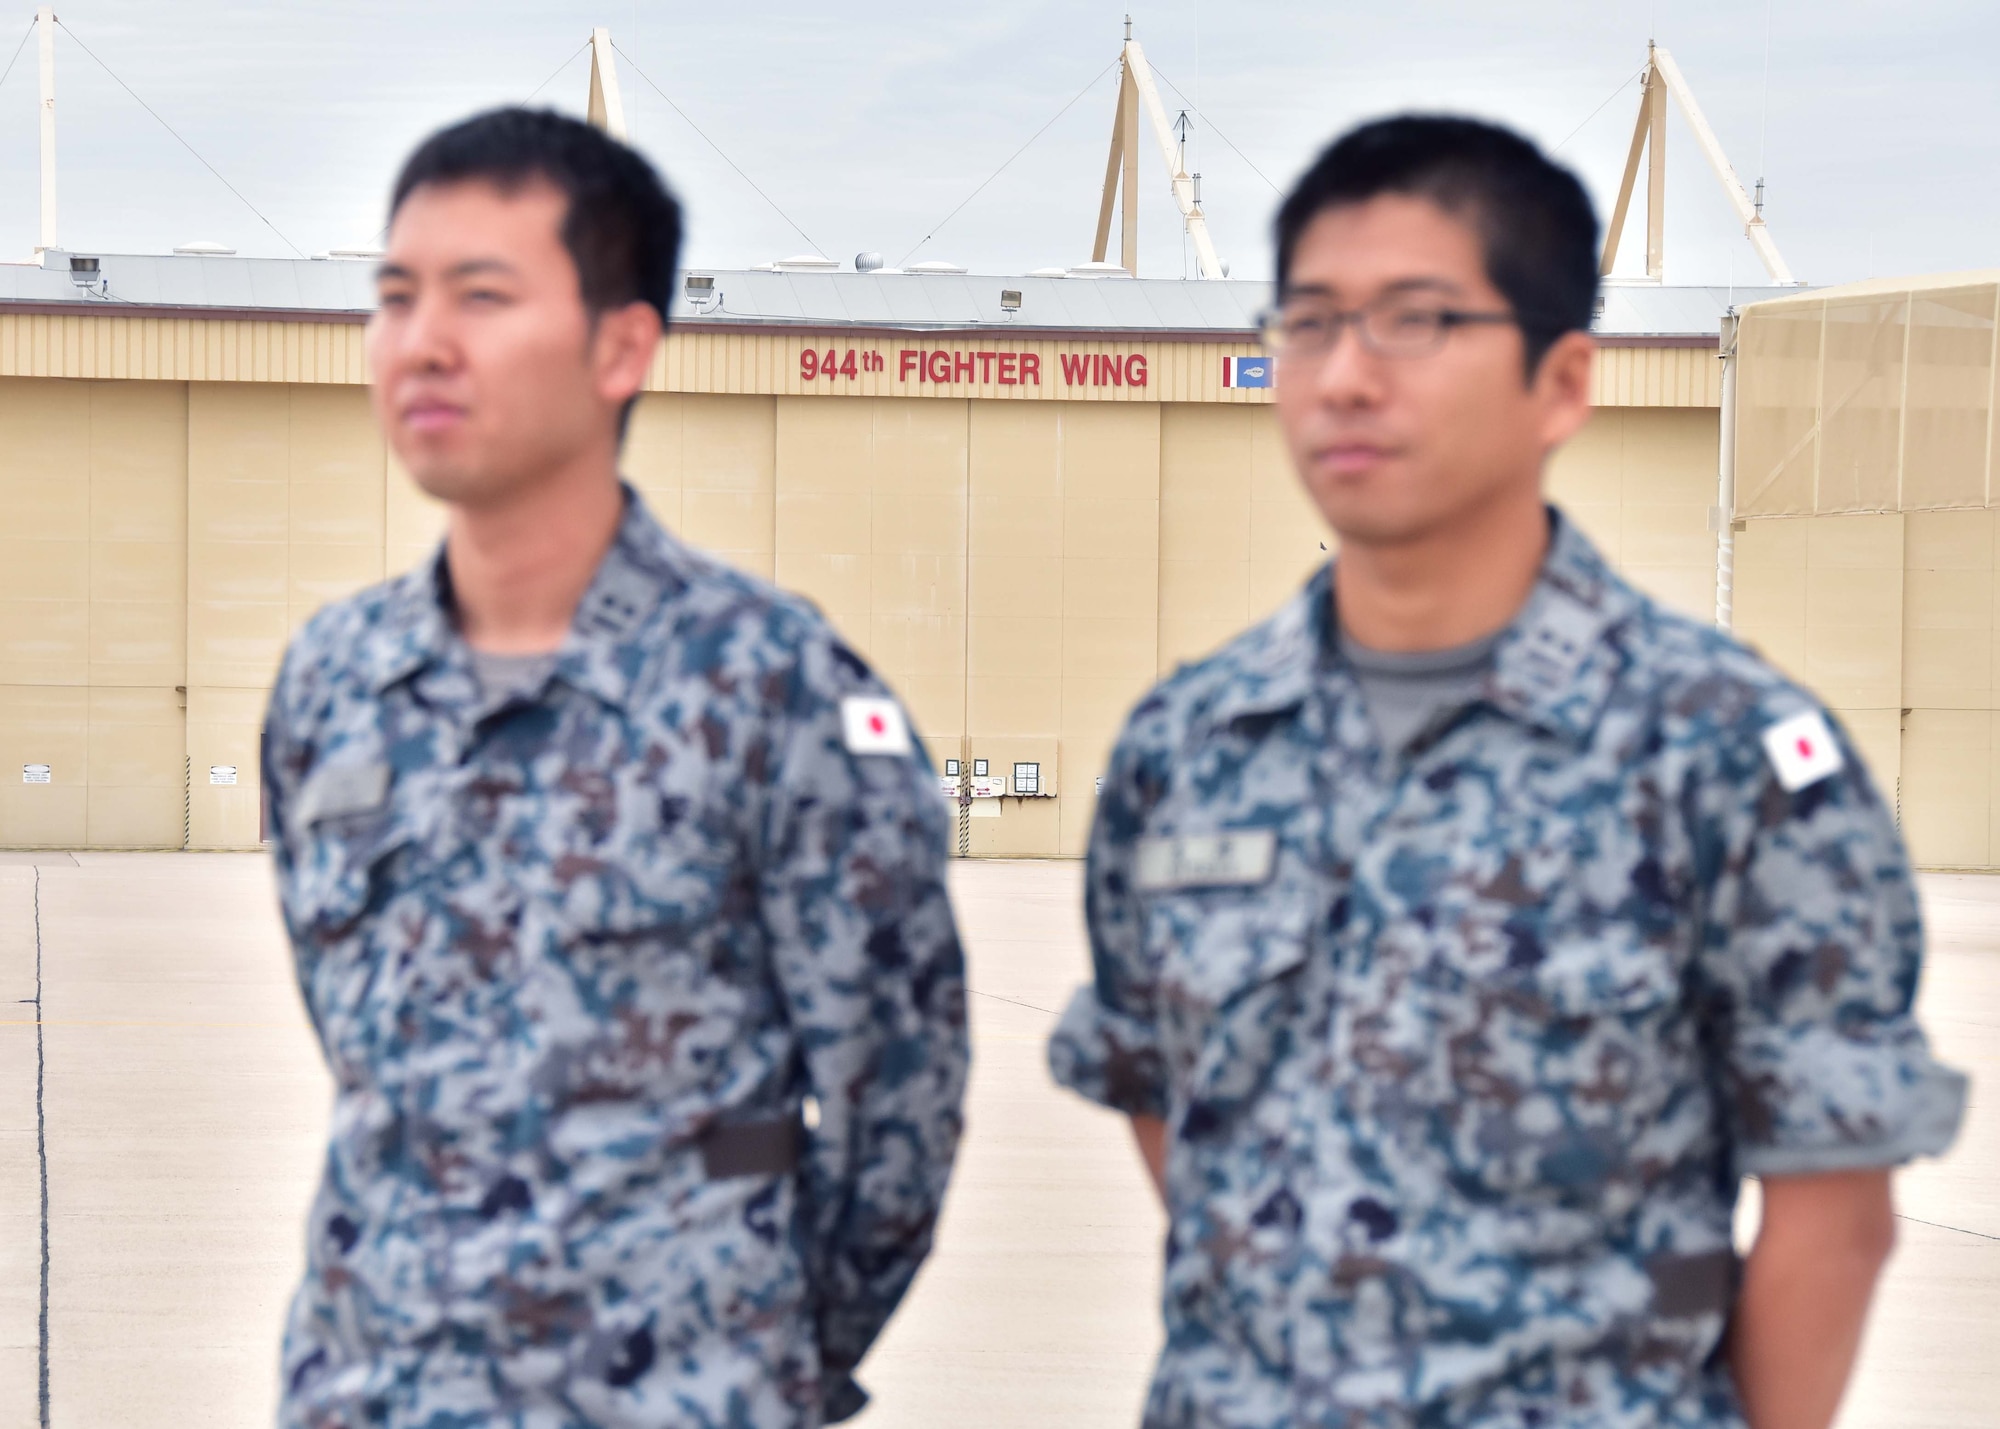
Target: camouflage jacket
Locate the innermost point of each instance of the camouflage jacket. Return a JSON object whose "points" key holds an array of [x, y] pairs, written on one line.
{"points": [[1462, 1050], [584, 963]]}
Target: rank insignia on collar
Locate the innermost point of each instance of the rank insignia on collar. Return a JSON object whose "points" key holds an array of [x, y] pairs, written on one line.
{"points": [[872, 725], [1802, 750]]}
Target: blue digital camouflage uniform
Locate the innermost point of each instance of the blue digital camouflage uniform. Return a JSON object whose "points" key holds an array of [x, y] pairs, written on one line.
{"points": [[578, 963], [1462, 1052]]}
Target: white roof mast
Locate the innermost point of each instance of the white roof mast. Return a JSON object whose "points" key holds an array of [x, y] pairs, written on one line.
{"points": [[1135, 87], [606, 108], [1663, 78], [45, 21]]}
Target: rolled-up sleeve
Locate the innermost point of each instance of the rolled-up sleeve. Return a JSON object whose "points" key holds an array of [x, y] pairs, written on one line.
{"points": [[867, 955], [1107, 1046], [1810, 962]]}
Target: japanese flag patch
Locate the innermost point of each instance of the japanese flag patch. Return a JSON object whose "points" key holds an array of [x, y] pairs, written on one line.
{"points": [[872, 725], [1802, 750]]}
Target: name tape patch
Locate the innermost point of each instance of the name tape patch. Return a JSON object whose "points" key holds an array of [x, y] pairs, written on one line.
{"points": [[872, 725], [1802, 750], [337, 790], [1239, 859]]}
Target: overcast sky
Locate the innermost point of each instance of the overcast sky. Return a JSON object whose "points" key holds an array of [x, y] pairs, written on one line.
{"points": [[868, 123]]}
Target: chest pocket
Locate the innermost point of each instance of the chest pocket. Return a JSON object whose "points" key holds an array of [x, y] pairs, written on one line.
{"points": [[640, 860], [1231, 961], [1551, 1044], [350, 837]]}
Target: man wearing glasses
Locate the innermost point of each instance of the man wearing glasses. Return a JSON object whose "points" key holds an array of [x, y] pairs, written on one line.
{"points": [[1466, 932]]}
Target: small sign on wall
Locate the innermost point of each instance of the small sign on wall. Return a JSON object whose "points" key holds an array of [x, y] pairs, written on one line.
{"points": [[36, 774], [222, 773]]}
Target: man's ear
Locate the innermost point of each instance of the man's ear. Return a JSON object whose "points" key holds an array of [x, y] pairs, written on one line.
{"points": [[622, 350], [1561, 386]]}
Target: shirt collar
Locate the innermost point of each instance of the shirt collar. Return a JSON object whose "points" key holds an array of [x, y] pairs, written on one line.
{"points": [[1551, 668], [416, 636]]}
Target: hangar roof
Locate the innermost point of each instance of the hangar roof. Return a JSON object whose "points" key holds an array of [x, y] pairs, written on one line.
{"points": [[342, 289]]}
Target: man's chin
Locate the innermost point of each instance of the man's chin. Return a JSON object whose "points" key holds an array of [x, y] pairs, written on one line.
{"points": [[445, 471], [1366, 518], [456, 483]]}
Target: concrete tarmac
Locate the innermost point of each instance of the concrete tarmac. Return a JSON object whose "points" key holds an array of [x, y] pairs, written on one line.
{"points": [[176, 1101]]}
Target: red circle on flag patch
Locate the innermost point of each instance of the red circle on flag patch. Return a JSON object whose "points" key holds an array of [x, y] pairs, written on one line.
{"points": [[877, 725], [1805, 748]]}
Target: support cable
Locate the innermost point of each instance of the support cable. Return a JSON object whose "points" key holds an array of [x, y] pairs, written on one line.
{"points": [[183, 143], [1218, 133], [1623, 85], [383, 232], [936, 227], [17, 52], [556, 74], [717, 147]]}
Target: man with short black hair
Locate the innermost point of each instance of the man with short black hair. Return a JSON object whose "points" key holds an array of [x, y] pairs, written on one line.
{"points": [[615, 882], [1465, 933]]}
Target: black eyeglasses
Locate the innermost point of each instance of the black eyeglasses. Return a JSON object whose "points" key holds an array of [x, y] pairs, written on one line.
{"points": [[1393, 327]]}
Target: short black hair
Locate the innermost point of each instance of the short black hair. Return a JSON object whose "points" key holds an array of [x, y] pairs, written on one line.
{"points": [[623, 228], [1532, 214]]}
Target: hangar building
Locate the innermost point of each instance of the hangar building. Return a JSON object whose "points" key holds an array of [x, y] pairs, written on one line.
{"points": [[1023, 498]]}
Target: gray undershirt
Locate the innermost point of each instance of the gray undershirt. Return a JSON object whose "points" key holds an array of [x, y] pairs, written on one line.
{"points": [[1405, 690], [503, 678]]}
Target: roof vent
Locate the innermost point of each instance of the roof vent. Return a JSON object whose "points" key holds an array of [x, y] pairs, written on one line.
{"points": [[1048, 272], [370, 253], [935, 266], [867, 262], [204, 250], [806, 263], [1097, 270]]}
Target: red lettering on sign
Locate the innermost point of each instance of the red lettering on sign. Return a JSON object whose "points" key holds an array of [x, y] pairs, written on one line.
{"points": [[1135, 370], [1007, 378], [808, 364], [938, 367], [1075, 368], [961, 367], [905, 360], [829, 364], [1031, 368], [1112, 368], [986, 366], [847, 365]]}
